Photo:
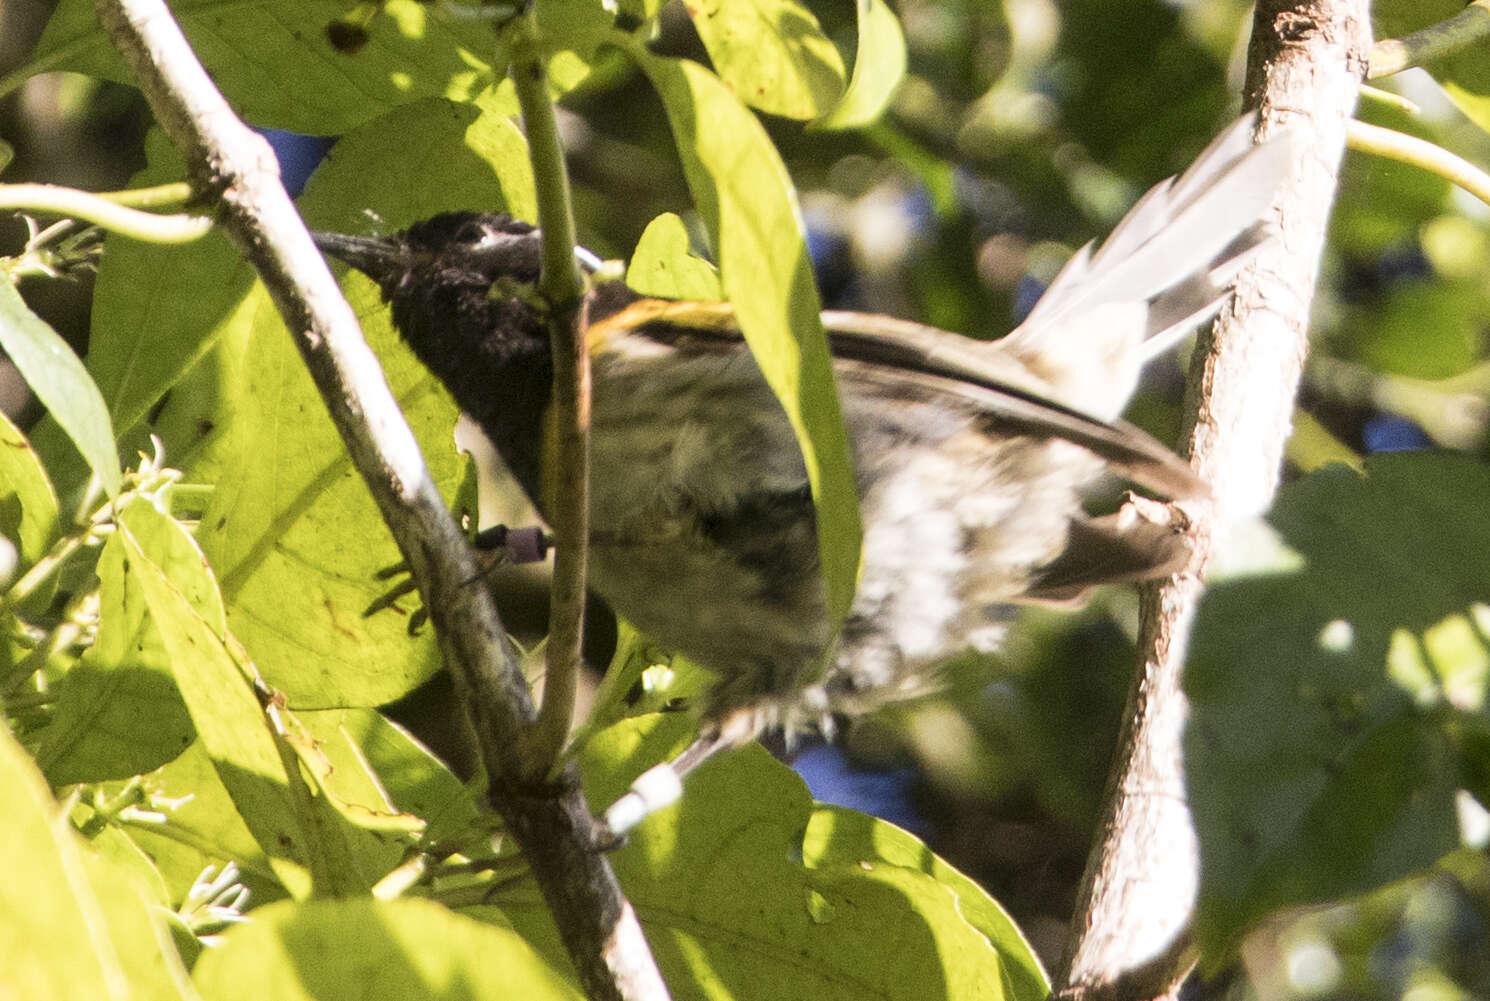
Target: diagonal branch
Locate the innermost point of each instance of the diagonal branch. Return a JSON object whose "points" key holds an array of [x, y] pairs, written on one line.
{"points": [[551, 822], [1130, 935]]}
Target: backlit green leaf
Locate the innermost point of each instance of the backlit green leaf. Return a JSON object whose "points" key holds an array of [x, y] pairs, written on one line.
{"points": [[772, 54], [60, 382], [746, 199], [879, 66]]}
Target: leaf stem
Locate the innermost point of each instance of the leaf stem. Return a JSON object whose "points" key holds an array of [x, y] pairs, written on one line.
{"points": [[1419, 153], [109, 211]]}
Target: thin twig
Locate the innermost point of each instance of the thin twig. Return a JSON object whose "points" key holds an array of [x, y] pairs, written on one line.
{"points": [[53, 199], [1403, 148], [1130, 936], [566, 486], [551, 822], [1470, 26], [154, 197]]}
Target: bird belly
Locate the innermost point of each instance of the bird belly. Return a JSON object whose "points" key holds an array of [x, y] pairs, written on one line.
{"points": [[702, 527], [704, 536]]}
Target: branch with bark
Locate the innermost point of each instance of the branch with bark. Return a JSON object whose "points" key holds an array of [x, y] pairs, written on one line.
{"points": [[550, 820], [1130, 934]]}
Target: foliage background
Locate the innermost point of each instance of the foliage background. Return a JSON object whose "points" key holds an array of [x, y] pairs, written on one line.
{"points": [[1023, 129]]}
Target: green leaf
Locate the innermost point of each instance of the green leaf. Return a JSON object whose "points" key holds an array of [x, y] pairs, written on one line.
{"points": [[109, 842], [202, 827], [662, 264], [28, 504], [277, 66], [159, 309], [772, 54], [291, 530], [1465, 74], [745, 197], [60, 382], [300, 838], [382, 778], [1319, 753], [118, 711], [431, 156], [736, 904], [837, 836], [158, 313], [112, 943], [52, 932], [879, 67], [571, 31], [365, 950], [139, 932]]}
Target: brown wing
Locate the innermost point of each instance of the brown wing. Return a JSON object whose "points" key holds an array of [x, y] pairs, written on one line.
{"points": [[997, 386]]}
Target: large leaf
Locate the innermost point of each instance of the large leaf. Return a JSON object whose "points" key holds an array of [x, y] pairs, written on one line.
{"points": [[118, 712], [52, 931], [28, 505], [60, 382], [138, 929], [201, 827], [365, 950], [1465, 74], [737, 903], [746, 199], [836, 836], [382, 778], [71, 924], [879, 66], [300, 834], [158, 311], [1320, 752], [291, 529], [772, 54], [277, 65]]}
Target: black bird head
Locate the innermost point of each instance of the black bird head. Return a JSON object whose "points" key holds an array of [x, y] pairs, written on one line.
{"points": [[465, 249], [460, 285], [462, 275]]}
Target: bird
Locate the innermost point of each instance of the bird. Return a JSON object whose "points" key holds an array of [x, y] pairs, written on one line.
{"points": [[971, 457]]}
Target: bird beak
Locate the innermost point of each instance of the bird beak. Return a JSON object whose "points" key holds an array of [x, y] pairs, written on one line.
{"points": [[380, 258]]}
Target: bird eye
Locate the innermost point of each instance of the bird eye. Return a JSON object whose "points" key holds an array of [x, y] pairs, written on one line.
{"points": [[473, 234]]}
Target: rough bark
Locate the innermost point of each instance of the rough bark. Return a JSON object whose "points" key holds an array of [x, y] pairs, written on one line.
{"points": [[1130, 933]]}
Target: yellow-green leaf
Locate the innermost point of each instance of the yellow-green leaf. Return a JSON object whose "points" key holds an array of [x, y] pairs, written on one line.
{"points": [[366, 950], [879, 66], [60, 381], [772, 54], [746, 199], [52, 930], [662, 264]]}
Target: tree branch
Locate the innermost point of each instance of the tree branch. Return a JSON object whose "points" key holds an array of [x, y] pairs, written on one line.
{"points": [[1130, 934], [551, 822]]}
